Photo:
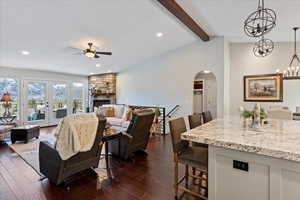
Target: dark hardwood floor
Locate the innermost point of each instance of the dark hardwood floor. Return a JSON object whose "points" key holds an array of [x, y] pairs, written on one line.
{"points": [[150, 177]]}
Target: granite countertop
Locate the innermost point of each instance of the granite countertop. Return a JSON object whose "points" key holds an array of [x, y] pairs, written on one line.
{"points": [[278, 139]]}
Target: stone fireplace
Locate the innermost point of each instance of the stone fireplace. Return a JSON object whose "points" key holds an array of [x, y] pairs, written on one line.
{"points": [[100, 102], [102, 89]]}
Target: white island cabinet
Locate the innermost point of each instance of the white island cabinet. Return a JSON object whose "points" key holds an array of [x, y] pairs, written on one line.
{"points": [[251, 164]]}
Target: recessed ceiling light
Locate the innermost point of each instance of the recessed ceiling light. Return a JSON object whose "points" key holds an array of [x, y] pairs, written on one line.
{"points": [[206, 71], [159, 34], [98, 65], [92, 73], [25, 53]]}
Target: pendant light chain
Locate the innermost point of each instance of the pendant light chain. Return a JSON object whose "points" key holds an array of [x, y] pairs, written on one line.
{"points": [[295, 45]]}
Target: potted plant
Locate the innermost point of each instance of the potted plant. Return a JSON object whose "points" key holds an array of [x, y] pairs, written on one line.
{"points": [[157, 114], [252, 114], [76, 105]]}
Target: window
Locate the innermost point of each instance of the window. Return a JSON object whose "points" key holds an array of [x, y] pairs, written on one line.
{"points": [[9, 85], [77, 97], [60, 100], [36, 100]]}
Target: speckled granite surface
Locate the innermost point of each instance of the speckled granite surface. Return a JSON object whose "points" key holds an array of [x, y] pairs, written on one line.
{"points": [[278, 139]]}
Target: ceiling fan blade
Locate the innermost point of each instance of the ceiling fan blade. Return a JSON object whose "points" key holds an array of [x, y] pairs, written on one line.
{"points": [[104, 53], [96, 56], [78, 53], [73, 48]]}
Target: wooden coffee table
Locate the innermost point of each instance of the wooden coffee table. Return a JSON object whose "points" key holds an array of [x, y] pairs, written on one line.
{"points": [[25, 133]]}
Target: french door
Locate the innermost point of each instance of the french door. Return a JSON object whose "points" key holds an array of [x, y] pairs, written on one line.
{"points": [[46, 102]]}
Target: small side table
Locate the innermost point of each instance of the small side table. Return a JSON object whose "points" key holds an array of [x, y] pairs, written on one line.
{"points": [[111, 134], [25, 133]]}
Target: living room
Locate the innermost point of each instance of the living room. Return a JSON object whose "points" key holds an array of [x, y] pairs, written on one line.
{"points": [[153, 99]]}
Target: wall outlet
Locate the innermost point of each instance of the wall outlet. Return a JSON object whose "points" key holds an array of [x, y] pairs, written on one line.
{"points": [[244, 166]]}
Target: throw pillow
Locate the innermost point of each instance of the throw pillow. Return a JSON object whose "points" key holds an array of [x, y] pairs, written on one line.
{"points": [[119, 110], [110, 112]]}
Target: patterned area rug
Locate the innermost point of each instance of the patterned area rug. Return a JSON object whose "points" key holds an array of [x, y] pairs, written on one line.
{"points": [[30, 154]]}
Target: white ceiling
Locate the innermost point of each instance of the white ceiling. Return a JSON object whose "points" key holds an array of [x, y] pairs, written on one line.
{"points": [[226, 17], [125, 27], [46, 28]]}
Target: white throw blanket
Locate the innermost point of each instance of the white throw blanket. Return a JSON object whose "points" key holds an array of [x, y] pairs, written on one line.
{"points": [[76, 133]]}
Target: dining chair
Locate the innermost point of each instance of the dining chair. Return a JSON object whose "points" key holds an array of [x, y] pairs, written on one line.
{"points": [[194, 157], [206, 116], [195, 120]]}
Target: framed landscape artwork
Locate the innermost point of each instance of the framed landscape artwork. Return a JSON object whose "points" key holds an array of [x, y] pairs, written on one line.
{"points": [[267, 88]]}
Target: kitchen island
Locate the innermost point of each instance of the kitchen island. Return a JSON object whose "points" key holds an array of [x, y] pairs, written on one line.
{"points": [[251, 163]]}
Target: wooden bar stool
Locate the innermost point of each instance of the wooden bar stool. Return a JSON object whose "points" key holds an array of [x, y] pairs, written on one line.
{"points": [[194, 157], [195, 120]]}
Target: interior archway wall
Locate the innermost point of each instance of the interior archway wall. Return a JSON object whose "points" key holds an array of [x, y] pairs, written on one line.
{"points": [[210, 93]]}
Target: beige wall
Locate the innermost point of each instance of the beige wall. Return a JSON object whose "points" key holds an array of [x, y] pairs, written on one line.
{"points": [[167, 80], [243, 62]]}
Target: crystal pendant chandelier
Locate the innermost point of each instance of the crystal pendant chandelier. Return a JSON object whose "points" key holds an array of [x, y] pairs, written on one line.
{"points": [[263, 47], [294, 66], [260, 22]]}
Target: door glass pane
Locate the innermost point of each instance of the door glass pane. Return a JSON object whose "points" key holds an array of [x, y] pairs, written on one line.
{"points": [[36, 108], [59, 101], [10, 86], [77, 98]]}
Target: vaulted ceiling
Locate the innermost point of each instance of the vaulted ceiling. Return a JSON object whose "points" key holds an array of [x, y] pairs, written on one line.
{"points": [[47, 29], [226, 17]]}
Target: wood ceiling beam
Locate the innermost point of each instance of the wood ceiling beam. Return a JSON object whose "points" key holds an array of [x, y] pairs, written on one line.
{"points": [[173, 7]]}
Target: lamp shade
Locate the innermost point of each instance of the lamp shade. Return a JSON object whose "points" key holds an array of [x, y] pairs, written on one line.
{"points": [[6, 97]]}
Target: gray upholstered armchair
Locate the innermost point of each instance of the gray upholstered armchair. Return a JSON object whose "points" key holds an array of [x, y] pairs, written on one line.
{"points": [[137, 135], [59, 171]]}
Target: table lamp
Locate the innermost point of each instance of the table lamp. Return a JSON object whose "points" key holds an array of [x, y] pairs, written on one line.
{"points": [[6, 98]]}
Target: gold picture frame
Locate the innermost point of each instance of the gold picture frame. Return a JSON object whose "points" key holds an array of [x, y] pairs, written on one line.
{"points": [[263, 88]]}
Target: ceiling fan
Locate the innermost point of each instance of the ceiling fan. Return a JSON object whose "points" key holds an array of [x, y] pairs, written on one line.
{"points": [[92, 53]]}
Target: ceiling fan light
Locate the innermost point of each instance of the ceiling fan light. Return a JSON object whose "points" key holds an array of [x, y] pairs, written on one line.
{"points": [[90, 54]]}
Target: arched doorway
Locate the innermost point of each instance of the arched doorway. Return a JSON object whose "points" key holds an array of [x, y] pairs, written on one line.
{"points": [[205, 93]]}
